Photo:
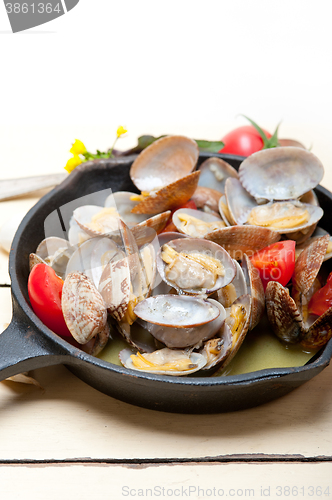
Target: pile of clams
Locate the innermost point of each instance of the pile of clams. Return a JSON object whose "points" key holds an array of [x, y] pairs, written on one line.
{"points": [[185, 299]]}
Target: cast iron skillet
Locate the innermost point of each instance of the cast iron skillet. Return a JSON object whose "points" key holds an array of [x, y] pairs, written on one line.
{"points": [[28, 344]]}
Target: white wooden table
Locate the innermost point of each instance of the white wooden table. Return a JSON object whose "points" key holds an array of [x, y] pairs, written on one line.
{"points": [[68, 440]]}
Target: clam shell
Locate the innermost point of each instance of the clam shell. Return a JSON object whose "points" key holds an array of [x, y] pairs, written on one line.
{"points": [[83, 307], [238, 240], [171, 196], [180, 321], [244, 301], [256, 291], [206, 198], [146, 231], [214, 172], [34, 260], [283, 315], [317, 233], [197, 360], [239, 201], [114, 287], [199, 229], [309, 263], [281, 173], [98, 342], [221, 344], [121, 201], [164, 162], [82, 215], [196, 245], [239, 284], [223, 210], [320, 331]]}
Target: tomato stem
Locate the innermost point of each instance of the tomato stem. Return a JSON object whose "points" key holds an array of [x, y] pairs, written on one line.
{"points": [[267, 143]]}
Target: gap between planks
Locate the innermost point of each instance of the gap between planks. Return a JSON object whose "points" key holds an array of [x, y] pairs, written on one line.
{"points": [[145, 463]]}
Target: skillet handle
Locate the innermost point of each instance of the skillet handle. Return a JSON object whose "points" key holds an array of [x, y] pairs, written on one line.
{"points": [[23, 348]]}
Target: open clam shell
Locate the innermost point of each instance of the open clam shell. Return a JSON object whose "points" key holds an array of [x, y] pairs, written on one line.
{"points": [[281, 173], [165, 357], [164, 162], [180, 321], [188, 273], [283, 216], [195, 223], [214, 172]]}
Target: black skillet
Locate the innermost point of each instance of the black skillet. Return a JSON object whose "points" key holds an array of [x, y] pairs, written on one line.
{"points": [[28, 344]]}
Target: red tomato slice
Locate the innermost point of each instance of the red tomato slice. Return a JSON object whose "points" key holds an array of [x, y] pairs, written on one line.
{"points": [[170, 226], [243, 141], [45, 290], [275, 262], [321, 301]]}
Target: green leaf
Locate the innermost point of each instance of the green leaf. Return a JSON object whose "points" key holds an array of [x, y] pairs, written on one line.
{"points": [[272, 142], [210, 146], [146, 140]]}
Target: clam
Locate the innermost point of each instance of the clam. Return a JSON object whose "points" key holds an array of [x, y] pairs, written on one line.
{"points": [[165, 161], [283, 173], [285, 217], [206, 199], [83, 307], [181, 321], [217, 349], [163, 362], [195, 266], [164, 173], [56, 252], [195, 223], [214, 172], [293, 217], [289, 318]]}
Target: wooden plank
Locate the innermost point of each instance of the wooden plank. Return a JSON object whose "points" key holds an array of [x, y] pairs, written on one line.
{"points": [[194, 481], [67, 419]]}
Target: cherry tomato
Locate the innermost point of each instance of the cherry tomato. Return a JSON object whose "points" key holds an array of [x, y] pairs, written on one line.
{"points": [[170, 226], [322, 299], [243, 141], [45, 290], [275, 262]]}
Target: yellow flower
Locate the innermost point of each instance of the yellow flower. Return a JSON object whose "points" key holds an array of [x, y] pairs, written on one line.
{"points": [[121, 130], [73, 163], [78, 148]]}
